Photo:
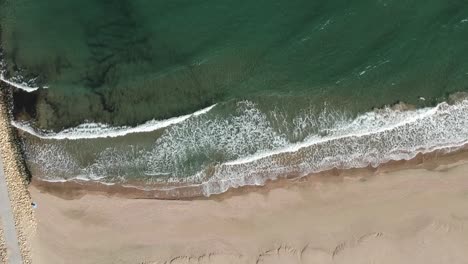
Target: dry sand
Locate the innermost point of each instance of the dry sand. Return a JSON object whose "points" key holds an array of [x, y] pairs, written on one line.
{"points": [[408, 216]]}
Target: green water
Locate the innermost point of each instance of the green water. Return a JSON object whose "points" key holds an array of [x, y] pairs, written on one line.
{"points": [[125, 62], [281, 72]]}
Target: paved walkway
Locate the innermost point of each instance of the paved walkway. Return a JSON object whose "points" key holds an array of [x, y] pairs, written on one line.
{"points": [[6, 219]]}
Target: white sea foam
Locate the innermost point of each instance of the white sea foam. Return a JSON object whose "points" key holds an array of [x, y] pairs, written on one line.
{"points": [[221, 152], [54, 180], [78, 179], [17, 82], [367, 124], [371, 139], [22, 86], [98, 130], [247, 131]]}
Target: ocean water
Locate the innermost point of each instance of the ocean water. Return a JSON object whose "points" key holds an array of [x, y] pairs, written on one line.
{"points": [[225, 93]]}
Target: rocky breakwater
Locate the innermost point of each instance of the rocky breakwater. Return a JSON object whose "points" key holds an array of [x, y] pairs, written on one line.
{"points": [[2, 248], [16, 176]]}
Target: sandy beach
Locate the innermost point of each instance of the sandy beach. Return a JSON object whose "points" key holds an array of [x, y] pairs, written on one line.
{"points": [[233, 132], [415, 215]]}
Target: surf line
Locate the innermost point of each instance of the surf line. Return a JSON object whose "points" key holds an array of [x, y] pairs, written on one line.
{"points": [[419, 114], [99, 130]]}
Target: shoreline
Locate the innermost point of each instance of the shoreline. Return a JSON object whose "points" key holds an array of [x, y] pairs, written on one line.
{"points": [[352, 215], [382, 215], [76, 189], [376, 137]]}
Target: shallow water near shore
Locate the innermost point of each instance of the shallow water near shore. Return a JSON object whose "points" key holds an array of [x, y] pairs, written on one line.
{"points": [[223, 94], [181, 153]]}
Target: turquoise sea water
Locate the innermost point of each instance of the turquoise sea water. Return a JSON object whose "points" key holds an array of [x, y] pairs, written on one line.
{"points": [[280, 73]]}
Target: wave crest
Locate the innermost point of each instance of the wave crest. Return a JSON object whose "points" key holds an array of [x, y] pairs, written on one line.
{"points": [[247, 147], [370, 139], [98, 130]]}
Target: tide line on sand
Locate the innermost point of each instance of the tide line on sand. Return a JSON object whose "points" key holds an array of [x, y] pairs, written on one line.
{"points": [[98, 130]]}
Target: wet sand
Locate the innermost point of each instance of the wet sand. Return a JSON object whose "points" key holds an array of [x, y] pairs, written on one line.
{"points": [[75, 189], [414, 213]]}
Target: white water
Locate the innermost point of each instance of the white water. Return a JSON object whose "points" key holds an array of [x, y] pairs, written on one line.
{"points": [[253, 152], [22, 86], [355, 129], [97, 130], [371, 139]]}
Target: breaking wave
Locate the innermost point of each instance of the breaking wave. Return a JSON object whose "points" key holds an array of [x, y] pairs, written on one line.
{"points": [[18, 81], [370, 139], [98, 130], [247, 147], [20, 85]]}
